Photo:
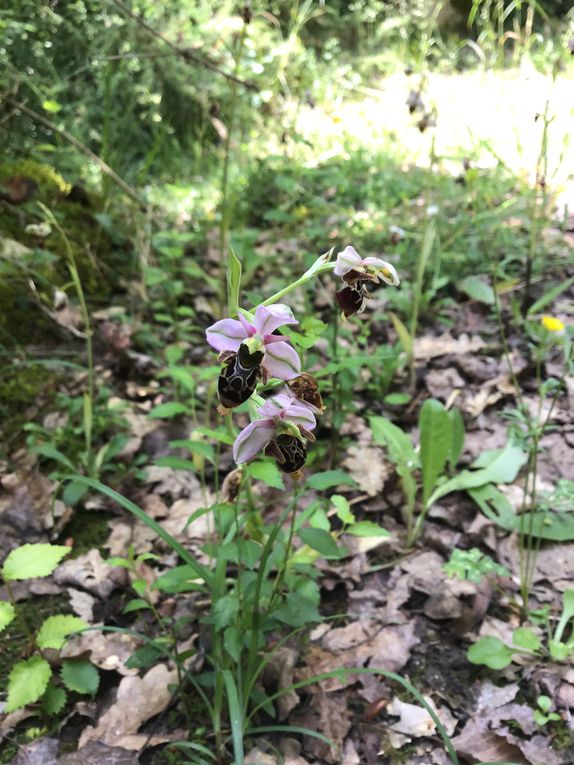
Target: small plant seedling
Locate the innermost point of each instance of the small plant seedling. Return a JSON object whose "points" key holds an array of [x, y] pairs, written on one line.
{"points": [[472, 565], [542, 713], [496, 654], [34, 679]]}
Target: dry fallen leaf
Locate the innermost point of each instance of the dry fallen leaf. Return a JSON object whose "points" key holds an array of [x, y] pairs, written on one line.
{"points": [[367, 465], [429, 347], [137, 700], [91, 573], [108, 650], [43, 751], [96, 753]]}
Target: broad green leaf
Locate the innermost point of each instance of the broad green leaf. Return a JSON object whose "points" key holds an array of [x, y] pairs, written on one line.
{"points": [[28, 681], [178, 579], [525, 638], [501, 466], [168, 410], [137, 604], [225, 610], [233, 642], [244, 551], [397, 399], [457, 438], [398, 443], [328, 479], [217, 435], [436, 440], [491, 652], [367, 529], [344, 513], [297, 611], [55, 630], [478, 289], [559, 651], [80, 675], [233, 282], [32, 560], [266, 471], [7, 614], [176, 463], [51, 452], [321, 541], [54, 700]]}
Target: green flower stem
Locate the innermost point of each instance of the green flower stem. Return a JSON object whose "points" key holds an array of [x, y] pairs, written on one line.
{"points": [[307, 276]]}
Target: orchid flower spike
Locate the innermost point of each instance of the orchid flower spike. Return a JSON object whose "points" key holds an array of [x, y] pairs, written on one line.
{"points": [[281, 433], [279, 358], [355, 271], [353, 268]]}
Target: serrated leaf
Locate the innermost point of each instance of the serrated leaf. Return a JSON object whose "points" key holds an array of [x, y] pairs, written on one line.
{"points": [[436, 439], [491, 652], [7, 614], [54, 700], [55, 629], [321, 541], [168, 410], [28, 681], [33, 560], [80, 675], [297, 611], [328, 479], [367, 529], [266, 471], [232, 640]]}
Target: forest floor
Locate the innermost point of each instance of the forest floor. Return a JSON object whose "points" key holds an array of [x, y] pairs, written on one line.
{"points": [[361, 173]]}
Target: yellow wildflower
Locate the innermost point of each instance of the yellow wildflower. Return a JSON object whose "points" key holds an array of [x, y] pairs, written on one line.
{"points": [[552, 324]]}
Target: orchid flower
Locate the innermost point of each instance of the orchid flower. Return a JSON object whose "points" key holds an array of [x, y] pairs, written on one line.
{"points": [[280, 359], [279, 433], [355, 271], [353, 268]]}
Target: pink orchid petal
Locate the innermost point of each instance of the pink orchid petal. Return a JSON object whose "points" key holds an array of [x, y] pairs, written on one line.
{"points": [[226, 335], [282, 361], [275, 405], [300, 416], [249, 328], [347, 260], [269, 318], [252, 440], [386, 271], [267, 339]]}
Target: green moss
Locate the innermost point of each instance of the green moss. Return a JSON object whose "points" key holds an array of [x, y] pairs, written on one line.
{"points": [[88, 529]]}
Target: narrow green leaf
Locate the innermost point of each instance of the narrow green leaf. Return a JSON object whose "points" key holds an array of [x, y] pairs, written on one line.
{"points": [[367, 529], [328, 479], [233, 282], [457, 439], [549, 296], [436, 440], [168, 410], [235, 717], [51, 452], [32, 560], [55, 629], [405, 338], [28, 681]]}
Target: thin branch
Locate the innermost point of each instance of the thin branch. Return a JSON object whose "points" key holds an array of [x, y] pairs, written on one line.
{"points": [[81, 147], [183, 52]]}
